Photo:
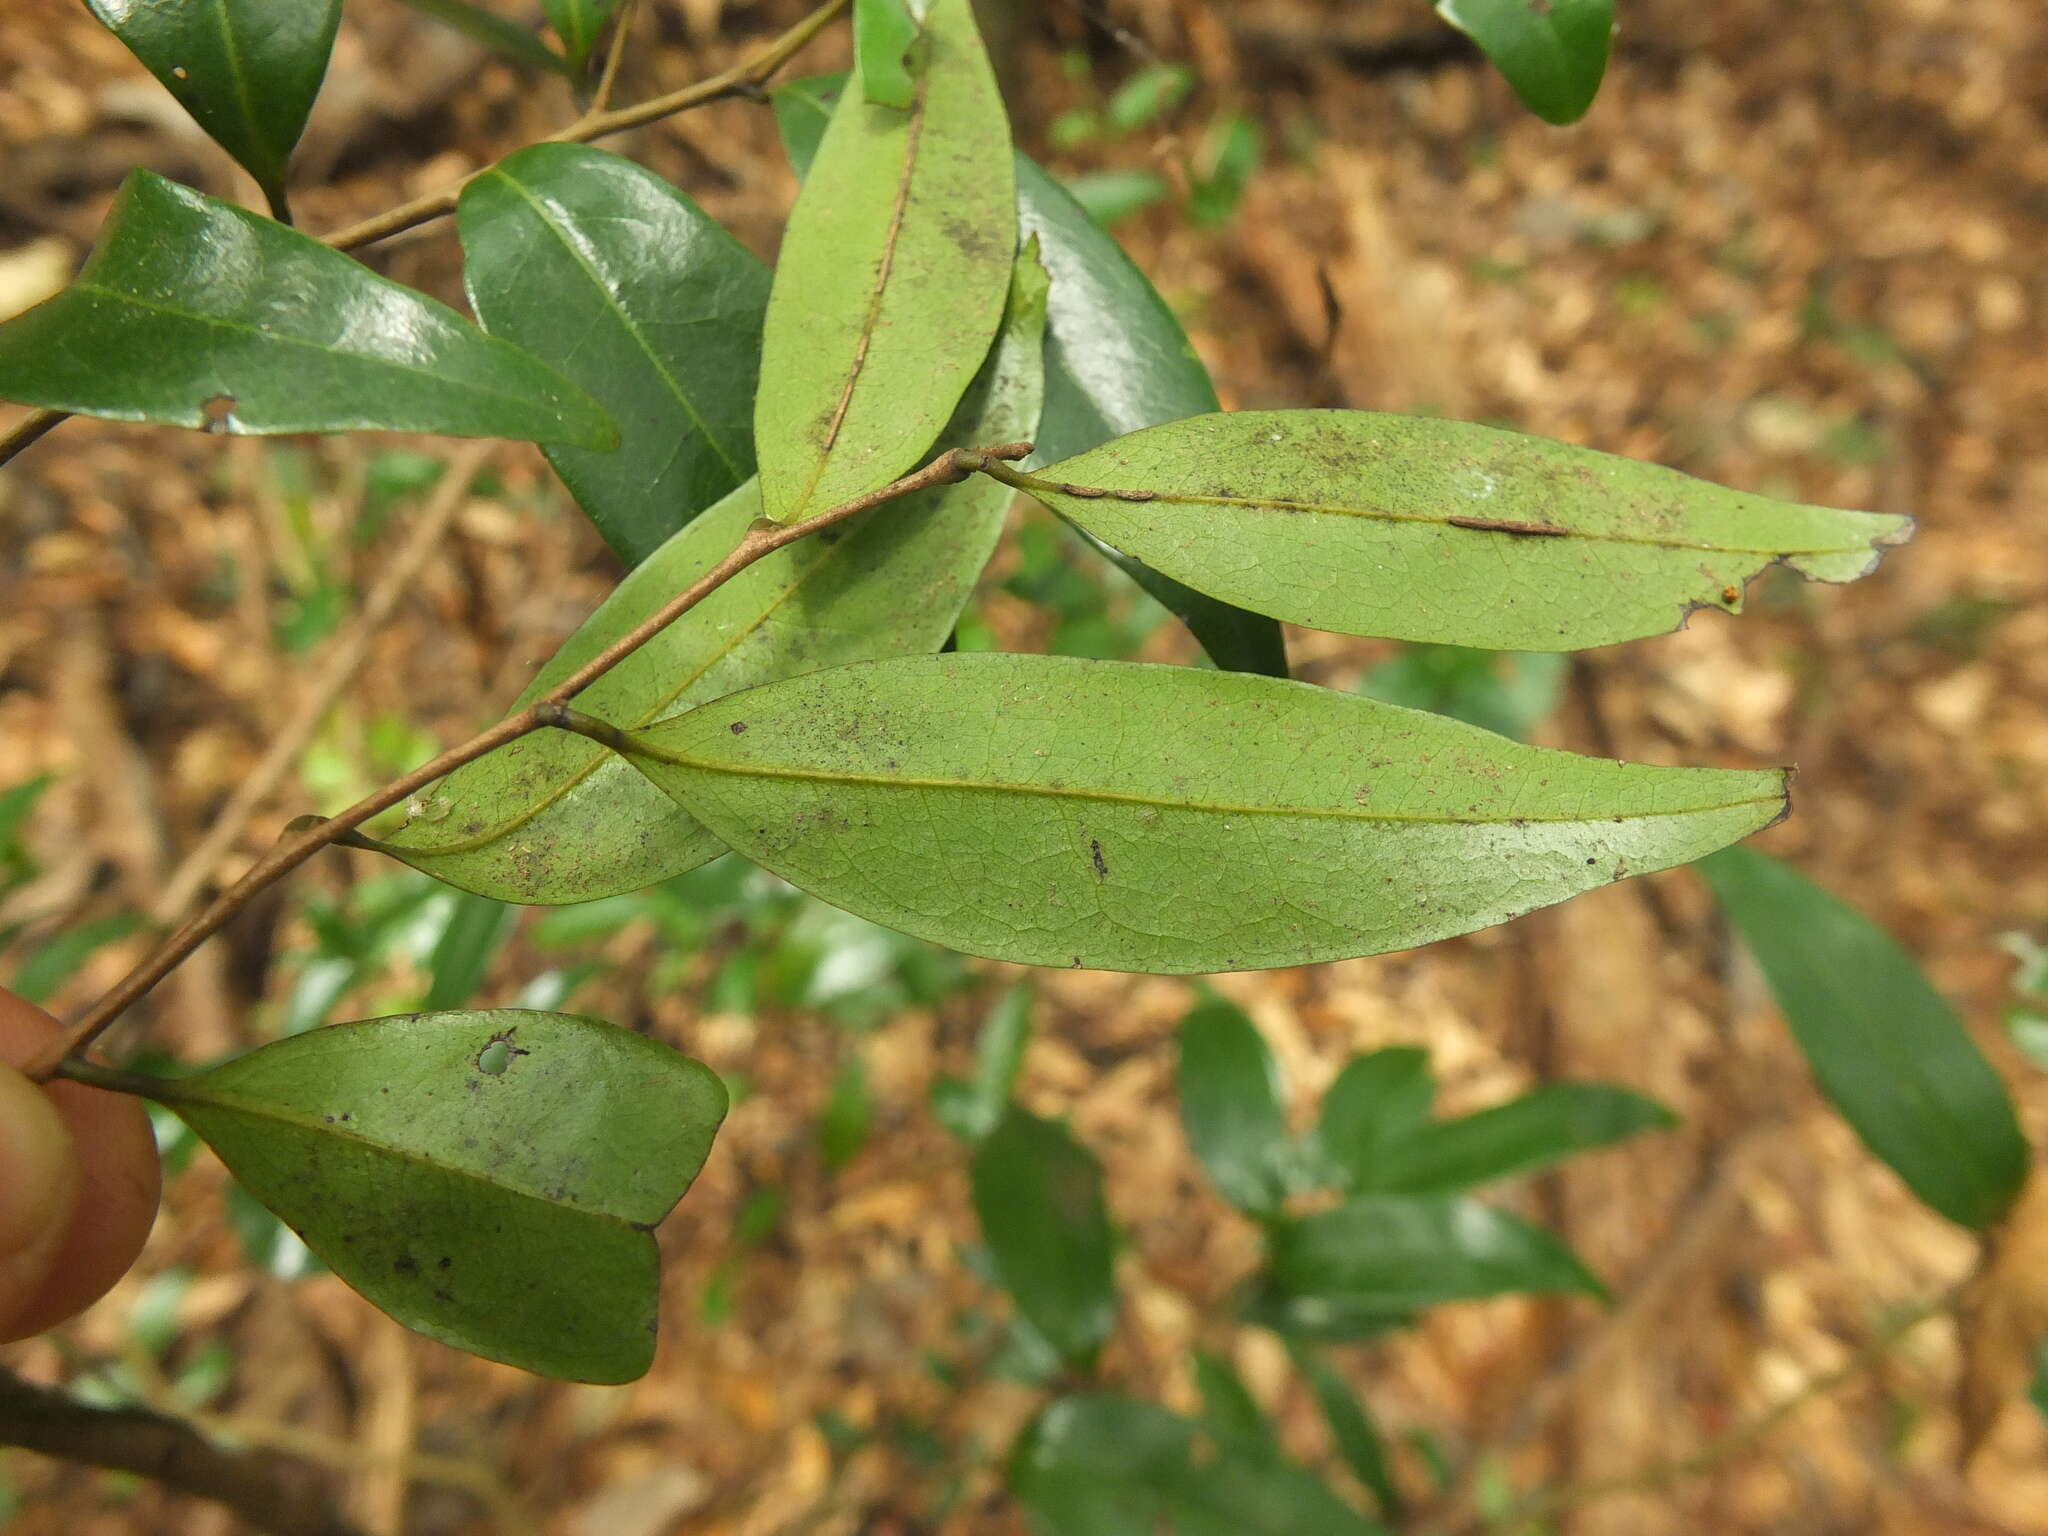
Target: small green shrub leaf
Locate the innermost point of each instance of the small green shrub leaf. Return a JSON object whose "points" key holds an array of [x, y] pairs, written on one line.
{"points": [[195, 313], [1065, 803], [883, 31], [1377, 1101], [1230, 1105], [505, 38], [973, 1107], [578, 23], [605, 271], [1419, 529], [477, 929], [247, 70], [1038, 1194], [1553, 52], [553, 818], [1885, 1047], [891, 281], [1107, 1466], [1228, 1409], [1520, 1136], [489, 1179], [1116, 360], [1358, 1439], [1391, 1254]]}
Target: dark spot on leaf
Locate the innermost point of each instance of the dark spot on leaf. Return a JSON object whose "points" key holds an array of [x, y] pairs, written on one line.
{"points": [[739, 727], [405, 1264], [444, 1262], [1095, 853]]}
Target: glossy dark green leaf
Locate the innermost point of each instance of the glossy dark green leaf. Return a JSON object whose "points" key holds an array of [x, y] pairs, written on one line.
{"points": [[1553, 52], [605, 271], [1038, 1194], [1520, 1136], [1106, 1466], [1231, 1108], [1387, 1254], [1421, 529], [1358, 1439], [578, 23], [195, 313], [504, 38], [1885, 1047], [1116, 360], [1167, 819], [973, 1107], [552, 818], [247, 70], [489, 1179], [1377, 1101], [883, 31], [891, 281]]}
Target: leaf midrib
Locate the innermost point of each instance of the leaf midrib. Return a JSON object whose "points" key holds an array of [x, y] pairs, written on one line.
{"points": [[1114, 797]]}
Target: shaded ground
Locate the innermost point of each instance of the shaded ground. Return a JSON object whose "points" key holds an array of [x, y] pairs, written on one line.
{"points": [[1794, 251]]}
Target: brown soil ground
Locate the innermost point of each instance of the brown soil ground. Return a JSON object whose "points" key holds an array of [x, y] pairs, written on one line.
{"points": [[1795, 249]]}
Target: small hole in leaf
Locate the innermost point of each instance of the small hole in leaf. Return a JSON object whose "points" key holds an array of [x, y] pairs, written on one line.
{"points": [[494, 1058], [181, 72], [219, 411]]}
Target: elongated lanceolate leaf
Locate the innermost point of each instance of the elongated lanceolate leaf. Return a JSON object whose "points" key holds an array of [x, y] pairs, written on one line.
{"points": [[247, 70], [1231, 1108], [1378, 1100], [891, 279], [195, 313], [1065, 812], [577, 23], [1886, 1048], [1116, 360], [1436, 530], [1358, 1438], [553, 818], [505, 38], [972, 1107], [1038, 1194], [1520, 1136], [489, 1179], [1553, 52], [605, 271], [1391, 1254]]}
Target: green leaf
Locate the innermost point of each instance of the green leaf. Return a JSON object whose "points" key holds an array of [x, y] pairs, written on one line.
{"points": [[195, 313], [578, 23], [605, 271], [489, 1179], [1230, 1105], [883, 31], [1038, 1194], [1553, 52], [1149, 94], [1107, 1466], [247, 70], [971, 1109], [504, 38], [1116, 360], [1088, 813], [1886, 1049], [1420, 529], [553, 818], [56, 960], [477, 929], [1358, 1441], [1391, 1254], [849, 1112], [1228, 1409], [1524, 1134], [891, 280], [1378, 1101]]}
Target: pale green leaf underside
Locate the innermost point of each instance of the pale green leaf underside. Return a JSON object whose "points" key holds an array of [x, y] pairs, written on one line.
{"points": [[891, 279], [1080, 813], [1443, 531], [487, 1178], [553, 818]]}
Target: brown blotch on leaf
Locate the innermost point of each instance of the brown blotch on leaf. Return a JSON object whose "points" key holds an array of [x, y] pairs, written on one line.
{"points": [[219, 410], [1504, 525]]}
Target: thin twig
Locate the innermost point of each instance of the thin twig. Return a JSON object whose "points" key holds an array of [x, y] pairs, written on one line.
{"points": [[348, 657], [302, 841], [166, 1450], [614, 57], [743, 79], [1663, 1474]]}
